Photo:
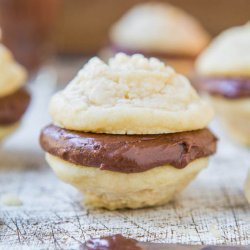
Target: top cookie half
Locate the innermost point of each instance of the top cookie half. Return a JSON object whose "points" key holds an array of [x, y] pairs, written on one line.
{"points": [[159, 28], [129, 95], [12, 75], [228, 55]]}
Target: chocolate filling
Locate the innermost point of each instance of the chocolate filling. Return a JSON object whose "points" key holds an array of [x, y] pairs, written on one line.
{"points": [[237, 87], [114, 242], [119, 242], [13, 106], [147, 53], [127, 153]]}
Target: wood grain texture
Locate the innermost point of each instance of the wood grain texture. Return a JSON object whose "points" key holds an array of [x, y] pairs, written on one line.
{"points": [[212, 210]]}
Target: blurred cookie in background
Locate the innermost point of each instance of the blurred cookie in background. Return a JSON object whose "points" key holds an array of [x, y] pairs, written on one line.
{"points": [[158, 30], [223, 72], [14, 98]]}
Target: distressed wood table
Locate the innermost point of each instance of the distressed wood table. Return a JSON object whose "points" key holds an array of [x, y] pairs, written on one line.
{"points": [[212, 210]]}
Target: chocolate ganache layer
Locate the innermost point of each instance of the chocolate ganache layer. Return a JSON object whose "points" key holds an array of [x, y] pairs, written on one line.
{"points": [[237, 87], [114, 242], [119, 242], [127, 153], [13, 106]]}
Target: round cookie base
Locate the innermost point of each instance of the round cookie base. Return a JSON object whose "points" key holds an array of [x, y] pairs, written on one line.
{"points": [[116, 190], [7, 130], [247, 187], [234, 115]]}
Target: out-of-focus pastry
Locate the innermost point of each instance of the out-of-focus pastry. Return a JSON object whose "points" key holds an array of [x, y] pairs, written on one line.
{"points": [[14, 98], [159, 30], [223, 72], [130, 133]]}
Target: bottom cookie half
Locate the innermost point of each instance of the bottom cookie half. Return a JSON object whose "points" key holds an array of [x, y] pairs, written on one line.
{"points": [[235, 117], [6, 130], [115, 190]]}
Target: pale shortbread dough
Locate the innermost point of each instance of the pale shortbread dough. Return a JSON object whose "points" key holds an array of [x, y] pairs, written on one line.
{"points": [[7, 130], [228, 54], [182, 65], [159, 27], [131, 95], [114, 190], [12, 74], [235, 116]]}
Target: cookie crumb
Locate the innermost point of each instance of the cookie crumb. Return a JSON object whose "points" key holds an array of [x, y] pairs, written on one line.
{"points": [[10, 199]]}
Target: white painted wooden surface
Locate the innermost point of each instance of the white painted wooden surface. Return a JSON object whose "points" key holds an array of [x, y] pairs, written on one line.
{"points": [[212, 210]]}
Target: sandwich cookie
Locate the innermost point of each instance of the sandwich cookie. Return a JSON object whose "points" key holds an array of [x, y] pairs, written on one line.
{"points": [[14, 98], [128, 134], [223, 73]]}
